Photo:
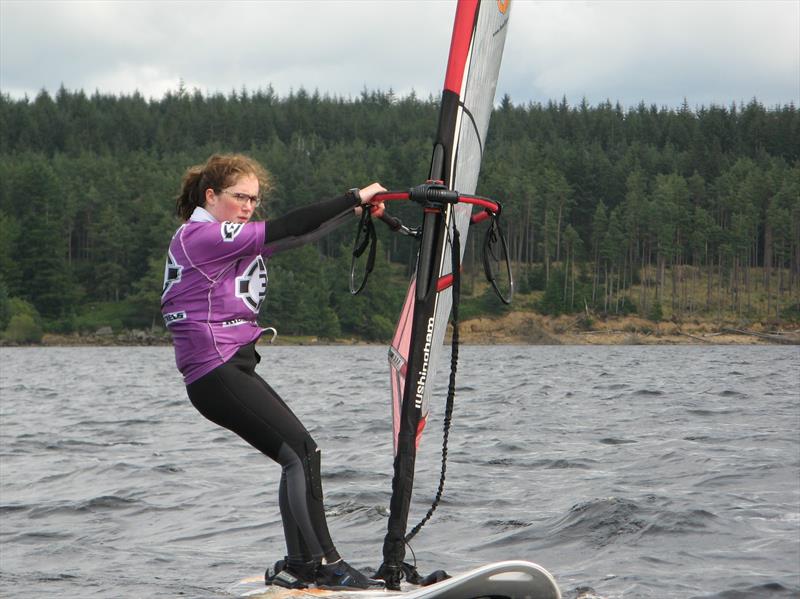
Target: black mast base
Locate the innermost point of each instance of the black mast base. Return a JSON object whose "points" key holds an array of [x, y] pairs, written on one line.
{"points": [[392, 575]]}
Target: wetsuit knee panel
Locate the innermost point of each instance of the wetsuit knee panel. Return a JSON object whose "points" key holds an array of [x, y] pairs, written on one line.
{"points": [[313, 468]]}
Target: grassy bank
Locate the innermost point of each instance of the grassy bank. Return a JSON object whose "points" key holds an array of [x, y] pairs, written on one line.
{"points": [[518, 328], [532, 328]]}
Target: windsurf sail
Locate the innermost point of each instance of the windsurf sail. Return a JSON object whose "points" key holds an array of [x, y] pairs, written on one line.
{"points": [[476, 50]]}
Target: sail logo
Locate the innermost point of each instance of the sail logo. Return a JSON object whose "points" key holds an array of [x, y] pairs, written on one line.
{"points": [[396, 359], [230, 230], [251, 286], [426, 357], [502, 5]]}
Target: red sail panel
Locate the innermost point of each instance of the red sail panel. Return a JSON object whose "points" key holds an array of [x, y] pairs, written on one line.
{"points": [[459, 44]]}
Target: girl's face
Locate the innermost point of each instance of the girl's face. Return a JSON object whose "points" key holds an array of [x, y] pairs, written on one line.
{"points": [[236, 203]]}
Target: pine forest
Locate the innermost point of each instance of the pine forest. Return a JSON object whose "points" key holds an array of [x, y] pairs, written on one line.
{"points": [[662, 212]]}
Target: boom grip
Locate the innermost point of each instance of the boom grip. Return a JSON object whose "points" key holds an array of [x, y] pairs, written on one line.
{"points": [[392, 222], [432, 193]]}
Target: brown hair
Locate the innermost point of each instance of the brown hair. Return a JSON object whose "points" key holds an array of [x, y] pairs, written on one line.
{"points": [[219, 171]]}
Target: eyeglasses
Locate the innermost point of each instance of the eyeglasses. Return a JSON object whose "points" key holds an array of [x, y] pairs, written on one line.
{"points": [[243, 198]]}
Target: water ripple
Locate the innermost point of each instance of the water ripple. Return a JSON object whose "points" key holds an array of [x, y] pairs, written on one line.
{"points": [[614, 467]]}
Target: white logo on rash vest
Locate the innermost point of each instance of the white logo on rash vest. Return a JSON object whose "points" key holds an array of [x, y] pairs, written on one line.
{"points": [[251, 286], [230, 230], [172, 273], [235, 322], [174, 317], [423, 373]]}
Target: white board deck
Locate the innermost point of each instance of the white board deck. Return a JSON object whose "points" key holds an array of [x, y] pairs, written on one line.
{"points": [[513, 579]]}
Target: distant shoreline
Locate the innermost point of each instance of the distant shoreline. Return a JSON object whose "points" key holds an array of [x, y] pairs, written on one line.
{"points": [[535, 329], [515, 328]]}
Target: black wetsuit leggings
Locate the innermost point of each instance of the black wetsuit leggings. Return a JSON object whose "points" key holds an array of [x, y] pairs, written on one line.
{"points": [[235, 397]]}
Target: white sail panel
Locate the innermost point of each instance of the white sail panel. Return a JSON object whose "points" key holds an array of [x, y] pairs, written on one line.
{"points": [[477, 97]]}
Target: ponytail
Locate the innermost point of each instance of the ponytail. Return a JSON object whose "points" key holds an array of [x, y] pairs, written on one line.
{"points": [[219, 171], [191, 195]]}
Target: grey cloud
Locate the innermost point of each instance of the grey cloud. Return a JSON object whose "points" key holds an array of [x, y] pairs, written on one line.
{"points": [[659, 52]]}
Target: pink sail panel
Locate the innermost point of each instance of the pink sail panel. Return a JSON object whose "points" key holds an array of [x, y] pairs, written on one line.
{"points": [[398, 361]]}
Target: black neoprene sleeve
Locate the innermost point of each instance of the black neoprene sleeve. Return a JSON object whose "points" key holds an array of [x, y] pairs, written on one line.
{"points": [[306, 219]]}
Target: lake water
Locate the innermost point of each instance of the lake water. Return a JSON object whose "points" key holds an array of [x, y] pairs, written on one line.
{"points": [[627, 471]]}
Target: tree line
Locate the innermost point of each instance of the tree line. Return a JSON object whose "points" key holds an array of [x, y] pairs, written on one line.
{"points": [[649, 210]]}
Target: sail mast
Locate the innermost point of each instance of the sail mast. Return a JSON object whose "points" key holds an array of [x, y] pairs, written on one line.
{"points": [[476, 49]]}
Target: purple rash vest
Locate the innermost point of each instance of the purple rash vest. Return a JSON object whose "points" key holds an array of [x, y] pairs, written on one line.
{"points": [[215, 281]]}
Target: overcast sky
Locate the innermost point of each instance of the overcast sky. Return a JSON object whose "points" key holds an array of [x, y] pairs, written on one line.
{"points": [[656, 51]]}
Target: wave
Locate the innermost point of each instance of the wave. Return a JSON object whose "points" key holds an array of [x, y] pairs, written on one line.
{"points": [[599, 522], [712, 413], [767, 590], [92, 505], [357, 511], [617, 520], [507, 524]]}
